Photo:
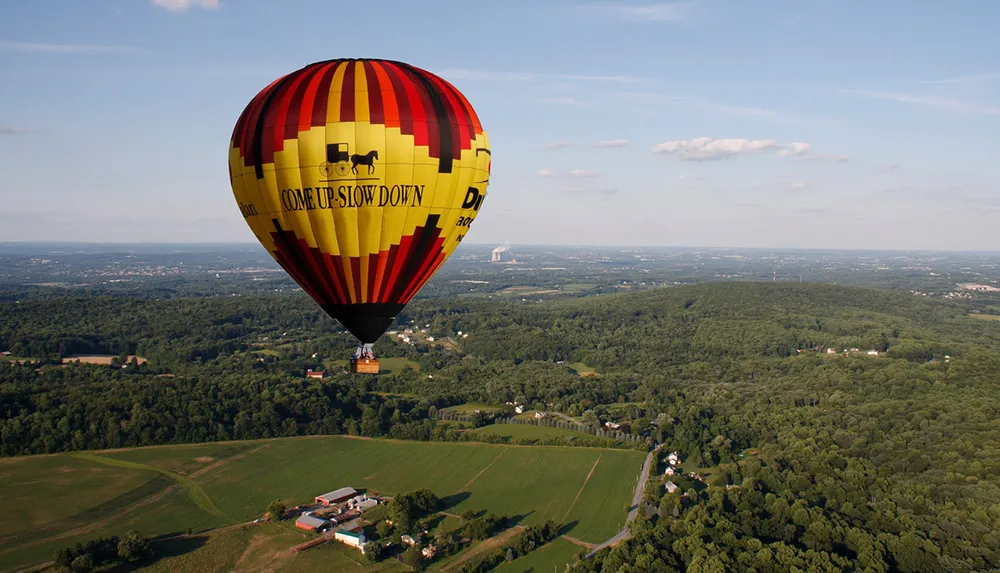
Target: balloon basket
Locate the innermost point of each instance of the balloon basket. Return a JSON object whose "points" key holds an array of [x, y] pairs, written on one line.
{"points": [[364, 366], [364, 361]]}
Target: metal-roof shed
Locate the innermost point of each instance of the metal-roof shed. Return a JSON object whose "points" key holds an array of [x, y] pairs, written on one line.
{"points": [[310, 522]]}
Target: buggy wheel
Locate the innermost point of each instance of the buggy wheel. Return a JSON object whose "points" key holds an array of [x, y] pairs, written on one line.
{"points": [[342, 168], [328, 169]]}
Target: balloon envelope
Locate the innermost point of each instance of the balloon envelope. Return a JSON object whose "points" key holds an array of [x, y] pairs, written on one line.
{"points": [[360, 177]]}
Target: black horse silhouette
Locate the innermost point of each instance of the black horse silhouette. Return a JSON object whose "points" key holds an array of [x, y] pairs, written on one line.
{"points": [[366, 159]]}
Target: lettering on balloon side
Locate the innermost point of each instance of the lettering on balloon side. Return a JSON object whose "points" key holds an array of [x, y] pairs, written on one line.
{"points": [[248, 209], [351, 196]]}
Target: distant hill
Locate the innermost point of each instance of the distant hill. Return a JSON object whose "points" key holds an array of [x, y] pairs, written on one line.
{"points": [[706, 321]]}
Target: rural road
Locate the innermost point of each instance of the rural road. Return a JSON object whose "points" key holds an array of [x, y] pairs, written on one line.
{"points": [[633, 510]]}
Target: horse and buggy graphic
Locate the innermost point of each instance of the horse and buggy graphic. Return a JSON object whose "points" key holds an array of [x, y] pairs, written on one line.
{"points": [[341, 163]]}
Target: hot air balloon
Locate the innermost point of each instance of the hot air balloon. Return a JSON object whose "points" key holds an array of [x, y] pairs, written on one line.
{"points": [[360, 177]]}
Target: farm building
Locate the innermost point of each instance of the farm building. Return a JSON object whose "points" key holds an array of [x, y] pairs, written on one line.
{"points": [[672, 487], [336, 496], [310, 523], [354, 539], [411, 540], [314, 374]]}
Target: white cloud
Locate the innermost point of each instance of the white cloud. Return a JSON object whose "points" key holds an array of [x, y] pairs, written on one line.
{"points": [[708, 148], [803, 152], [796, 148], [557, 145], [11, 130], [546, 173], [943, 103], [583, 173], [61, 48], [612, 143], [799, 185], [181, 5]]}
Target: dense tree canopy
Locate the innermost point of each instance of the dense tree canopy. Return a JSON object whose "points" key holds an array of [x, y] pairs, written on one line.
{"points": [[826, 461]]}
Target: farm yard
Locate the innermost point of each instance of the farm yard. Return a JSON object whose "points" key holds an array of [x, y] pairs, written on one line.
{"points": [[57, 500]]}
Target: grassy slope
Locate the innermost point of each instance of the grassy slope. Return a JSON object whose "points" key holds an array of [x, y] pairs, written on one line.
{"points": [[61, 499]]}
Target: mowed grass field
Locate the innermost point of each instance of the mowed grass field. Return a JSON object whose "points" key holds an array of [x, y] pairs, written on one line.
{"points": [[553, 556], [55, 501]]}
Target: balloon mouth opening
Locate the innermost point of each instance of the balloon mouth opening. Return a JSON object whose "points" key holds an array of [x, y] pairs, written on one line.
{"points": [[366, 321]]}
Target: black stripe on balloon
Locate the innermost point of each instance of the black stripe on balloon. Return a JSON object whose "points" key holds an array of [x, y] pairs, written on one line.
{"points": [[291, 259], [421, 250], [445, 140], [258, 131]]}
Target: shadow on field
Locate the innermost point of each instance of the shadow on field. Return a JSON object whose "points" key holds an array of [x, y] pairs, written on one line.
{"points": [[517, 518], [450, 501], [178, 545], [165, 546], [567, 527]]}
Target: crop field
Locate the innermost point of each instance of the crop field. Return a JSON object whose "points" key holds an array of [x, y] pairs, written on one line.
{"points": [[99, 358], [985, 316], [54, 501], [533, 431]]}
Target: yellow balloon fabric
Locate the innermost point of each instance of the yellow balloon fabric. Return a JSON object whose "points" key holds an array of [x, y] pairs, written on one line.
{"points": [[360, 177]]}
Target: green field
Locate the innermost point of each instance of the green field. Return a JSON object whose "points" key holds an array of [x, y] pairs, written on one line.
{"points": [[55, 501], [985, 316], [390, 364], [533, 431], [470, 408], [553, 556], [263, 547], [582, 369]]}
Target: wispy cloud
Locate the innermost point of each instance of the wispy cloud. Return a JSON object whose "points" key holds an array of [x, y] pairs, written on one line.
{"points": [[588, 191], [583, 173], [700, 103], [942, 103], [546, 173], [565, 100], [11, 130], [557, 145], [41, 47], [181, 5], [889, 167], [964, 80], [497, 76], [799, 185], [674, 12], [612, 143]]}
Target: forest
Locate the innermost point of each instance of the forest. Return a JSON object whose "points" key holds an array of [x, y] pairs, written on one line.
{"points": [[828, 461]]}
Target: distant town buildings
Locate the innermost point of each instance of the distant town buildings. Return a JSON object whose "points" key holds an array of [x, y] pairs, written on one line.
{"points": [[314, 374]]}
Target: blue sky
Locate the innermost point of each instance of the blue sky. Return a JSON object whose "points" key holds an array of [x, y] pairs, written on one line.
{"points": [[773, 123]]}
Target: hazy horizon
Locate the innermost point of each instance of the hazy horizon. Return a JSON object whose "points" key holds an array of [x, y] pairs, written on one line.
{"points": [[844, 125]]}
